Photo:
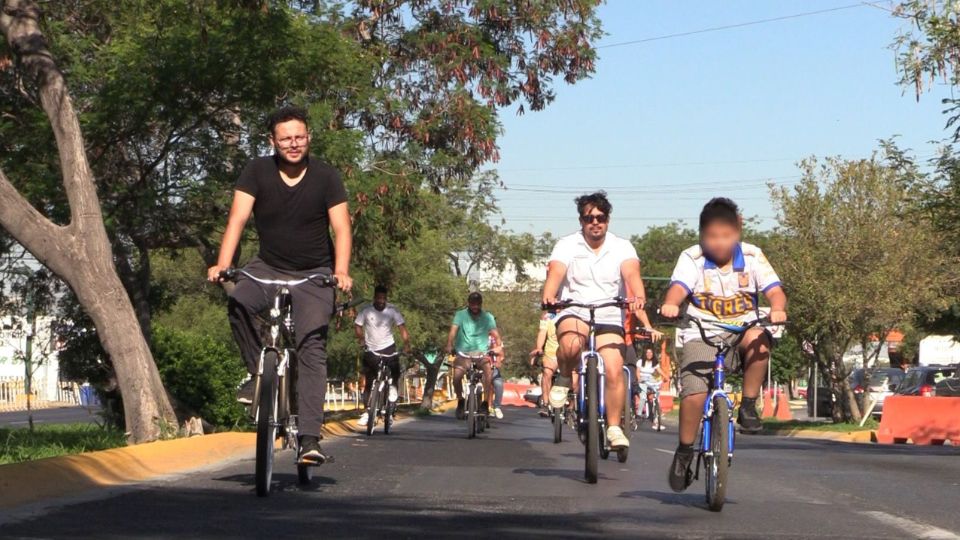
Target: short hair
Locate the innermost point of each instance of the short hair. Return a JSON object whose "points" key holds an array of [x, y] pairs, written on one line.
{"points": [[720, 209], [286, 114], [475, 298], [596, 200], [380, 289]]}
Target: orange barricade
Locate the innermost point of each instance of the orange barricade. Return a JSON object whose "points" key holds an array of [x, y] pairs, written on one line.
{"points": [[666, 403], [513, 394], [922, 420], [768, 411]]}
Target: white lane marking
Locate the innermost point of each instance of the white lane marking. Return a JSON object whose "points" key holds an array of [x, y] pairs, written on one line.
{"points": [[913, 529], [664, 451]]}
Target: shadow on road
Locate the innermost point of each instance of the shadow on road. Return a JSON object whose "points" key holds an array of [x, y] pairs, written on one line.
{"points": [[688, 499], [281, 482]]}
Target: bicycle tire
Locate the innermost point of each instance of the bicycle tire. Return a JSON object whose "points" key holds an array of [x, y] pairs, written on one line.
{"points": [[472, 414], [266, 424], [387, 415], [594, 443], [718, 464], [624, 453], [373, 404], [557, 425], [657, 413]]}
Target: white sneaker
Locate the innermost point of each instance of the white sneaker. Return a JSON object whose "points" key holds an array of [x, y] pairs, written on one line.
{"points": [[394, 394], [498, 413], [617, 439], [558, 396], [364, 418]]}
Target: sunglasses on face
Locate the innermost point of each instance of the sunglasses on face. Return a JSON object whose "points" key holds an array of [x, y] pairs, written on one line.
{"points": [[591, 218]]}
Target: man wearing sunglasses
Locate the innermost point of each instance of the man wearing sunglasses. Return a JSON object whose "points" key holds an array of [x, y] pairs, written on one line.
{"points": [[593, 265]]}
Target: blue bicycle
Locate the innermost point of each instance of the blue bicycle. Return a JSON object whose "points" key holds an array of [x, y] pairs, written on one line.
{"points": [[591, 408], [716, 425]]}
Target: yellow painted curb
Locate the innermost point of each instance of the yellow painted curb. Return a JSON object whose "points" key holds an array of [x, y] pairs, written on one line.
{"points": [[33, 481], [862, 436]]}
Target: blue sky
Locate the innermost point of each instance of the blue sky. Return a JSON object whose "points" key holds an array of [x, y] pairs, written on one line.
{"points": [[665, 125]]}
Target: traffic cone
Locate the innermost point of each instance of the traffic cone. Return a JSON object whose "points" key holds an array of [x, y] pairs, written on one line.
{"points": [[783, 407], [768, 410]]}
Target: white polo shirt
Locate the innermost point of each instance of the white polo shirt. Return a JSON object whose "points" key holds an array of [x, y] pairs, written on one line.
{"points": [[378, 326], [593, 277], [725, 296]]}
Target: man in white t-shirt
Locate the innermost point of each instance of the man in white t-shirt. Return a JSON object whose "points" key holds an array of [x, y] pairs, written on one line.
{"points": [[593, 265], [374, 327]]}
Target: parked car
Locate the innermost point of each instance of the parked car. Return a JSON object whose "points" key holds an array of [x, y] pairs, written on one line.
{"points": [[922, 380], [949, 386], [882, 383]]}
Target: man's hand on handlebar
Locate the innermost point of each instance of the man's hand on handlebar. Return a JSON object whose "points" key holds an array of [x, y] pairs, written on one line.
{"points": [[344, 281], [778, 316], [636, 304], [534, 356], [213, 273]]}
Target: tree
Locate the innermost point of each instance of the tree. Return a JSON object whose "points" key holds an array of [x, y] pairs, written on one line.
{"points": [[79, 251], [857, 260]]}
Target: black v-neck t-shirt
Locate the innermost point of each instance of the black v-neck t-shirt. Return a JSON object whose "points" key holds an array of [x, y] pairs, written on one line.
{"points": [[293, 221]]}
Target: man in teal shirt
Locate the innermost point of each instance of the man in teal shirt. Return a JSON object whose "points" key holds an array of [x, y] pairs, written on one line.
{"points": [[473, 333]]}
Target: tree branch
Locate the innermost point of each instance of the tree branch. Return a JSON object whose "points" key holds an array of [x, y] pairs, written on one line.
{"points": [[34, 231]]}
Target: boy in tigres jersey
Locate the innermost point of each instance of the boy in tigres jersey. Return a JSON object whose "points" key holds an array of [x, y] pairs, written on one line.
{"points": [[720, 277]]}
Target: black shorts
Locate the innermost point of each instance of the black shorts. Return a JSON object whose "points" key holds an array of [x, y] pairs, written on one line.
{"points": [[600, 328]]}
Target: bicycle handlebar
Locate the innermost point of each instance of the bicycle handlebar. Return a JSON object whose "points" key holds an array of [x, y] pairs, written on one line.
{"points": [[618, 301], [324, 280], [740, 330]]}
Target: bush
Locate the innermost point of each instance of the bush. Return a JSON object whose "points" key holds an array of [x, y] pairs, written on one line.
{"points": [[201, 373]]}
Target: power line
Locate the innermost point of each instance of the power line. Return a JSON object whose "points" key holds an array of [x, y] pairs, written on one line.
{"points": [[645, 165], [735, 25], [727, 185], [615, 219]]}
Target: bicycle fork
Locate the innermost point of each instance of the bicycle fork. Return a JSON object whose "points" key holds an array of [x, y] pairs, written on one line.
{"points": [[601, 392]]}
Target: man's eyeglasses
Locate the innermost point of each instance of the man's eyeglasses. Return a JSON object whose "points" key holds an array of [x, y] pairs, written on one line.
{"points": [[287, 142], [591, 218]]}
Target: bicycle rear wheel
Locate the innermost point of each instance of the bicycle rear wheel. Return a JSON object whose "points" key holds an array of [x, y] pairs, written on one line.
{"points": [[717, 465], [657, 413], [593, 421], [472, 414], [388, 410], [304, 475], [266, 423], [623, 453], [373, 405]]}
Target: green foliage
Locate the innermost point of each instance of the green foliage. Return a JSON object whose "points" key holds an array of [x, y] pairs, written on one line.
{"points": [[855, 257], [200, 373], [518, 319], [51, 440]]}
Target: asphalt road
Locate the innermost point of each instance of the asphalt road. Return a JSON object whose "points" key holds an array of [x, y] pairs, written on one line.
{"points": [[428, 480], [58, 415]]}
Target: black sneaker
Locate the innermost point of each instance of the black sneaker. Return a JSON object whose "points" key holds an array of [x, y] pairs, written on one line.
{"points": [[310, 451], [245, 392], [748, 419], [681, 475], [460, 415]]}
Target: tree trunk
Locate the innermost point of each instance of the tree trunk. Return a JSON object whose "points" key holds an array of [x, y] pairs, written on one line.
{"points": [[80, 252]]}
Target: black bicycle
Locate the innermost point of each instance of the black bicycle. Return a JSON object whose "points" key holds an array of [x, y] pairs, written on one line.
{"points": [[558, 415], [274, 407], [477, 420], [380, 406]]}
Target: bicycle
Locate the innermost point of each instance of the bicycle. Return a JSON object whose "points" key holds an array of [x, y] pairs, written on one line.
{"points": [[477, 420], [649, 409], [590, 407], [716, 425], [558, 415], [379, 404], [274, 408]]}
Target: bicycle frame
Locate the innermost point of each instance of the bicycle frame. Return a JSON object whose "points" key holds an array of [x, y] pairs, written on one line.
{"points": [[589, 352], [719, 377]]}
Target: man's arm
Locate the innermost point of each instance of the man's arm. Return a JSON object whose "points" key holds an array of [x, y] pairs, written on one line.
{"points": [[556, 271], [541, 342], [358, 332], [452, 335], [405, 336], [778, 304], [339, 216], [240, 212], [630, 270]]}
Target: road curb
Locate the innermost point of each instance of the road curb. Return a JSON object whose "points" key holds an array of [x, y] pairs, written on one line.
{"points": [[863, 436], [62, 476]]}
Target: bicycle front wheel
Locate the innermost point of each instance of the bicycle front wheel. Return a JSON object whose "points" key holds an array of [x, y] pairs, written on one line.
{"points": [[266, 423], [472, 414], [373, 405], [593, 421], [557, 424], [657, 413], [718, 463]]}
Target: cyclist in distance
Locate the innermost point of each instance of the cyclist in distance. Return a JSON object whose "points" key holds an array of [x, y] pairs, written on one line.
{"points": [[473, 333], [637, 335], [546, 350], [721, 277], [295, 201], [588, 266], [374, 327]]}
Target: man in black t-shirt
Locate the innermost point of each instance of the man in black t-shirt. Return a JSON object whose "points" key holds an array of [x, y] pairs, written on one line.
{"points": [[295, 201]]}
